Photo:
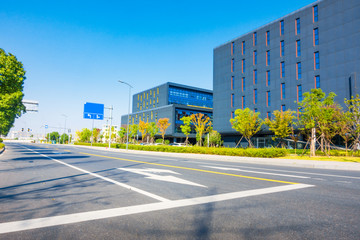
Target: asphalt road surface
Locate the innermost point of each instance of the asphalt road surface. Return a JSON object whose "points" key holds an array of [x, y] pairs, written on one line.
{"points": [[69, 192]]}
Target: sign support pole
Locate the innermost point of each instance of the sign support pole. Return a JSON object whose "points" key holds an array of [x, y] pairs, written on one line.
{"points": [[92, 132], [111, 108]]}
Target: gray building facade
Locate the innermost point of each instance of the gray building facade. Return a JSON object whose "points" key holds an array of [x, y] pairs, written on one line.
{"points": [[173, 101], [269, 68]]}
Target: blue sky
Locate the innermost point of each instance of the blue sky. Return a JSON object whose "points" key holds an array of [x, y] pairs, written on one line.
{"points": [[75, 51]]}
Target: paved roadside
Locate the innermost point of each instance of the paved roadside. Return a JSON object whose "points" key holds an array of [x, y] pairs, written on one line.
{"points": [[262, 161]]}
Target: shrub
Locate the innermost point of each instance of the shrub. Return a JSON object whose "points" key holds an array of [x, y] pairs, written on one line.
{"points": [[2, 145], [1, 140]]}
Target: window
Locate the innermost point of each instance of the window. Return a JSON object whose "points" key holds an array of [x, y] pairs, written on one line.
{"points": [[243, 84], [268, 38], [298, 70], [298, 48], [315, 13], [255, 57], [283, 108], [268, 99], [282, 69], [297, 26], [232, 65], [255, 38], [243, 48], [232, 82], [299, 93], [316, 36], [268, 58], [317, 81], [268, 78], [268, 115], [232, 100], [255, 96], [232, 114], [243, 102], [282, 48], [282, 91], [243, 66], [232, 48], [255, 110], [316, 60], [255, 76], [281, 27]]}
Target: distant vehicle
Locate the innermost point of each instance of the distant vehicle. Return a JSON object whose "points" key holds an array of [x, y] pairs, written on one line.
{"points": [[177, 144]]}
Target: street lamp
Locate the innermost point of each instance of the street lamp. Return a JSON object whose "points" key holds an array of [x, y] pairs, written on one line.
{"points": [[127, 131], [64, 126]]}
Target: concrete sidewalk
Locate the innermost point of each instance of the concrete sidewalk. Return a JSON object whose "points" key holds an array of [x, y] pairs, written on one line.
{"points": [[261, 161]]}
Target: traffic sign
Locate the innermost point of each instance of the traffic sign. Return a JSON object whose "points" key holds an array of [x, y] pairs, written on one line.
{"points": [[46, 126], [94, 111]]}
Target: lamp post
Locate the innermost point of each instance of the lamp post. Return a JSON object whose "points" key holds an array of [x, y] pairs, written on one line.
{"points": [[127, 131], [64, 126]]}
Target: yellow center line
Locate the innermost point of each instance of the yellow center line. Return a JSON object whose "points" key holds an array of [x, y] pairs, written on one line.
{"points": [[192, 169]]}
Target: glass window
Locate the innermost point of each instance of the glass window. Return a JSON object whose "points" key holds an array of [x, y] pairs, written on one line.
{"points": [[283, 108], [243, 66], [298, 48], [317, 81], [316, 36], [232, 114], [232, 82], [281, 27], [243, 84], [282, 48], [255, 38], [255, 110], [243, 47], [268, 115], [316, 60], [298, 70], [268, 98], [184, 96], [267, 58], [315, 13], [268, 38], [268, 80], [255, 96], [232, 100], [255, 76], [243, 102], [282, 90], [232, 48], [232, 65], [297, 26], [299, 93], [255, 57], [282, 69]]}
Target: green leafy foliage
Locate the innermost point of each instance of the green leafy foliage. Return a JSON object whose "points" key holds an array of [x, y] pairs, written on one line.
{"points": [[214, 138], [152, 130], [281, 124], [12, 76]]}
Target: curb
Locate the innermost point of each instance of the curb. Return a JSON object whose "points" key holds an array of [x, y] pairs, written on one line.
{"points": [[314, 164], [2, 150]]}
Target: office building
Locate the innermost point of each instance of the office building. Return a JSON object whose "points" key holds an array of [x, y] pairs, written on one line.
{"points": [[270, 68], [173, 101]]}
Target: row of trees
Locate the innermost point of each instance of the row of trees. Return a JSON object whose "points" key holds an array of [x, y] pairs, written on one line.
{"points": [[319, 119], [56, 137]]}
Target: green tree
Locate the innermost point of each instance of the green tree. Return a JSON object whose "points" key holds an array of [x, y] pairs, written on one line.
{"points": [[281, 124], [133, 131], [64, 138], [54, 136], [186, 127], [152, 129], [122, 134], [163, 124], [353, 106], [214, 139], [12, 76], [143, 126], [85, 135], [345, 124], [247, 123], [202, 125], [317, 111]]}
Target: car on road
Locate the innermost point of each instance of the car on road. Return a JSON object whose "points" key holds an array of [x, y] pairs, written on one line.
{"points": [[177, 144]]}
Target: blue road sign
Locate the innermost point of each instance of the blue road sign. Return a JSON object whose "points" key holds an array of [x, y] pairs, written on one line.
{"points": [[94, 111], [46, 126]]}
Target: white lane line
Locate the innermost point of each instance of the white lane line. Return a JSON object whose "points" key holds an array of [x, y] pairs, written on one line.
{"points": [[123, 211], [249, 171], [287, 171], [151, 195]]}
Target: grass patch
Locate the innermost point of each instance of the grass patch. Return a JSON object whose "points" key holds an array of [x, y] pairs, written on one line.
{"points": [[249, 152], [324, 158]]}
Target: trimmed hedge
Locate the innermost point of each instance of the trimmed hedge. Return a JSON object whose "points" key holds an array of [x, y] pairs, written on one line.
{"points": [[248, 152], [2, 146], [335, 153]]}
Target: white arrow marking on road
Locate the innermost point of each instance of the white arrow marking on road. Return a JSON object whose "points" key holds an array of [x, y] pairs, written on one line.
{"points": [[149, 172], [240, 170]]}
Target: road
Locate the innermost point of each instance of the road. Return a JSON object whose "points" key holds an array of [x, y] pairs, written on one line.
{"points": [[69, 192]]}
